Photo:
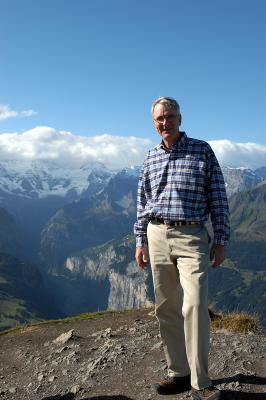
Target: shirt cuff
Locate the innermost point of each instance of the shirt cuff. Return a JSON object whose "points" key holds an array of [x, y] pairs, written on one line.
{"points": [[141, 241], [222, 241]]}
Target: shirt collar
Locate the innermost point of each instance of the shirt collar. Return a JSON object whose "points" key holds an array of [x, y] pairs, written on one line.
{"points": [[178, 143]]}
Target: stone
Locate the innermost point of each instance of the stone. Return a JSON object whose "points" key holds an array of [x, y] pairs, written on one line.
{"points": [[64, 337], [157, 346], [75, 389], [40, 377]]}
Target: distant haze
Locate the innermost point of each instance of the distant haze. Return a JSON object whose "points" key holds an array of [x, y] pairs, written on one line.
{"points": [[67, 149]]}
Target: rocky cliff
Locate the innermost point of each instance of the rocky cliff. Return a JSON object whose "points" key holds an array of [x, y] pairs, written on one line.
{"points": [[110, 272]]}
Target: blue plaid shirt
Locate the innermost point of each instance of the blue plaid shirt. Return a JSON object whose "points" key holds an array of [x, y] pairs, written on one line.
{"points": [[183, 183]]}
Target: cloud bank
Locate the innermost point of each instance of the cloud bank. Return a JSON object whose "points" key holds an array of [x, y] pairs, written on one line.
{"points": [[66, 149], [247, 155], [6, 112]]}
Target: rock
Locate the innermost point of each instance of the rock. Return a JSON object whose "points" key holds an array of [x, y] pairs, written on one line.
{"points": [[75, 389], [40, 377], [157, 346], [107, 333], [12, 390], [64, 337], [62, 349]]}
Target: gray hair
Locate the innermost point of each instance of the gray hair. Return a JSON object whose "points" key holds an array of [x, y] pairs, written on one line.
{"points": [[166, 100]]}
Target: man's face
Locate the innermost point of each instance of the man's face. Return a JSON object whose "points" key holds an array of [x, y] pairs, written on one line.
{"points": [[166, 121]]}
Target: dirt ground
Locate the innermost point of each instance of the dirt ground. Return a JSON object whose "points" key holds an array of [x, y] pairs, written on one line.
{"points": [[117, 356]]}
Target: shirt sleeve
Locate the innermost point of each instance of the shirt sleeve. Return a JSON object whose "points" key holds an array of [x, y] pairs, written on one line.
{"points": [[217, 199], [140, 227]]}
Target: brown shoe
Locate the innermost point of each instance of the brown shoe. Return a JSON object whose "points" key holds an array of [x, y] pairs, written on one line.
{"points": [[173, 384], [209, 393]]}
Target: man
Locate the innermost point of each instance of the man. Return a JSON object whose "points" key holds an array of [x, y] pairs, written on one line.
{"points": [[181, 184]]}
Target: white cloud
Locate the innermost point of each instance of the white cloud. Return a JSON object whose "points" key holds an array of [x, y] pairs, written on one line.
{"points": [[6, 112], [231, 154], [66, 149], [44, 143]]}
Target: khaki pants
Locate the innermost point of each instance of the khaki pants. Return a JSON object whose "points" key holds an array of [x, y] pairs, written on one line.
{"points": [[179, 259]]}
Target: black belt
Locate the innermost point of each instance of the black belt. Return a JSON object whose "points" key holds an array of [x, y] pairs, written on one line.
{"points": [[173, 223]]}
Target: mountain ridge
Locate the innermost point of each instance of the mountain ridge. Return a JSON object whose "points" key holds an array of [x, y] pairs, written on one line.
{"points": [[61, 236]]}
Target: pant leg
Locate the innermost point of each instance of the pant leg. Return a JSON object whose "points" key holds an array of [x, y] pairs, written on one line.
{"points": [[190, 246], [168, 300]]}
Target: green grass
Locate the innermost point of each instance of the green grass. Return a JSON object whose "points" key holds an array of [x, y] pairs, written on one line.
{"points": [[13, 312], [84, 316], [11, 307]]}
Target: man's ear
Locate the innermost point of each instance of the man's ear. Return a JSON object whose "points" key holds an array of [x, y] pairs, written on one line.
{"points": [[180, 119]]}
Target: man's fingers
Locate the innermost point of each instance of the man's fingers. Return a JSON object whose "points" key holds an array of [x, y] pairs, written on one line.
{"points": [[142, 257], [217, 255]]}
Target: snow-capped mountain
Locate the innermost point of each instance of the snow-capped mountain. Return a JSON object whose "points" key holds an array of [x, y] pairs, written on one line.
{"points": [[39, 179], [238, 179]]}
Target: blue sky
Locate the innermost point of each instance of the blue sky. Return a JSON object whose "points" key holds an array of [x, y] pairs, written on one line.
{"points": [[94, 67]]}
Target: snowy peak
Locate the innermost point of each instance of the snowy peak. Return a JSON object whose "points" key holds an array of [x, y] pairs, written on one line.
{"points": [[238, 179], [39, 179]]}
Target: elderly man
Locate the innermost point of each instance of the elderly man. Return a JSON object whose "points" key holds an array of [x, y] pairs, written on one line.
{"points": [[181, 184]]}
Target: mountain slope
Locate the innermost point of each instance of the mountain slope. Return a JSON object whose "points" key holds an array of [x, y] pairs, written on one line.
{"points": [[247, 247], [22, 295], [248, 214], [10, 237], [90, 222]]}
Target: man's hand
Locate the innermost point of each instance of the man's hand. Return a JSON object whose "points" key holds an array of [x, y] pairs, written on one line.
{"points": [[217, 255], [142, 256]]}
